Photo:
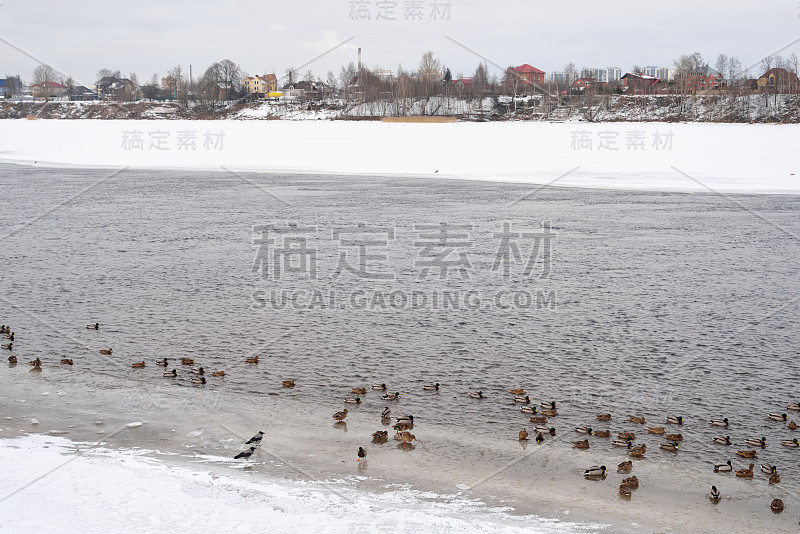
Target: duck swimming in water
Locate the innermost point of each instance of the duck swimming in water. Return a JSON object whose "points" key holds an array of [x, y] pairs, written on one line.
{"points": [[756, 442], [778, 417], [625, 467], [287, 383], [379, 387], [386, 412], [522, 400], [545, 430], [768, 469], [548, 405], [95, 326], [726, 440], [106, 352], [602, 433], [528, 409], [656, 429], [746, 454], [358, 391], [776, 506], [630, 482], [523, 435], [790, 443], [253, 359], [583, 430], [7, 346], [66, 361], [162, 363], [622, 443], [603, 417], [636, 419], [12, 359], [357, 400], [795, 406], [173, 374], [723, 468], [391, 396], [476, 394], [518, 391], [199, 380], [714, 494], [218, 373], [431, 387], [745, 473], [581, 444], [539, 437], [671, 447], [198, 371], [675, 420], [719, 422], [187, 361], [673, 437], [138, 365], [339, 416]]}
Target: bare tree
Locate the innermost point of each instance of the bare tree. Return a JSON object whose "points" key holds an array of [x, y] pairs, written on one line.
{"points": [[45, 78], [108, 73]]}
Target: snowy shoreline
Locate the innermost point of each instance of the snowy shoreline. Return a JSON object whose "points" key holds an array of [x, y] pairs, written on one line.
{"points": [[707, 158]]}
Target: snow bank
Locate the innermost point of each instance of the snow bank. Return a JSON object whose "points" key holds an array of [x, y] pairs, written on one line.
{"points": [[659, 156], [104, 490]]}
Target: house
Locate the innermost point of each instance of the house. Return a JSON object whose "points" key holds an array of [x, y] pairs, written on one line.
{"points": [[582, 83], [463, 83], [526, 74], [778, 80], [48, 90], [10, 86], [306, 89], [81, 93], [639, 84], [113, 89], [260, 86], [704, 80]]}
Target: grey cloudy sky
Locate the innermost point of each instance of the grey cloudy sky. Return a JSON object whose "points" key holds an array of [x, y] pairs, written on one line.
{"points": [[150, 36]]}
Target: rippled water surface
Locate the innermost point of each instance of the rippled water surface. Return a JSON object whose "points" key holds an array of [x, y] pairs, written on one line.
{"points": [[637, 303]]}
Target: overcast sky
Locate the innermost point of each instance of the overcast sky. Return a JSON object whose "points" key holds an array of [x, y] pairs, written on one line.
{"points": [[151, 36]]}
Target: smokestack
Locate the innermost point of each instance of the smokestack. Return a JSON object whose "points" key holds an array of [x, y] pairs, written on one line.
{"points": [[359, 58]]}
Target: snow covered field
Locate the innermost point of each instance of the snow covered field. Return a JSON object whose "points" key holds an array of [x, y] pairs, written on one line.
{"points": [[660, 156]]}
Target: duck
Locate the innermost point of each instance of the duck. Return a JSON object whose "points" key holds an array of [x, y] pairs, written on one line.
{"points": [[476, 394], [638, 451], [539, 437], [776, 506], [187, 361], [407, 419], [523, 435], [673, 437], [199, 380], [538, 419], [626, 435], [162, 363], [528, 409], [671, 447], [746, 454], [625, 467], [404, 425], [624, 491], [719, 422], [362, 455], [795, 406], [106, 352], [339, 416], [138, 365], [636, 419], [583, 430], [723, 468], [3, 329], [95, 326], [756, 442], [522, 400], [792, 425], [12, 359], [675, 419], [518, 391], [630, 482], [431, 387], [622, 443], [745, 473], [35, 363], [778, 417], [253, 359], [602, 433], [774, 478], [726, 440], [7, 346], [256, 439], [550, 413], [10, 336], [198, 371], [391, 396], [790, 443], [545, 430], [379, 387], [66, 361], [358, 391], [581, 444], [380, 435], [356, 400], [171, 374], [595, 471], [603, 417], [548, 405], [407, 437], [768, 469], [245, 454], [218, 373], [714, 494], [656, 429], [287, 383], [386, 412]]}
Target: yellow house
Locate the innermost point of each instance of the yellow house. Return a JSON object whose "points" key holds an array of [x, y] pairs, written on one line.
{"points": [[261, 85]]}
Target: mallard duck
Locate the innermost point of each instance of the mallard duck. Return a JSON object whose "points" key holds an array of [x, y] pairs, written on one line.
{"points": [[287, 383], [385, 413], [339, 416], [774, 478], [3, 329], [548, 405], [583, 430], [624, 491], [595, 471], [636, 419], [431, 387], [12, 359], [792, 425], [622, 443], [768, 469], [66, 361], [7, 346], [187, 361], [726, 440], [172, 374], [778, 417], [776, 506], [253, 359], [380, 435], [95, 326], [545, 430], [723, 468], [746, 454], [391, 396], [35, 363], [539, 437], [407, 437], [245, 454], [603, 417], [795, 406], [407, 419], [625, 467], [522, 400], [528, 409], [656, 429], [162, 363], [673, 437], [138, 365], [671, 447], [790, 443], [199, 380], [218, 373], [638, 451], [581, 444], [675, 420], [256, 439], [358, 391], [754, 442], [10, 336], [362, 455], [106, 352], [538, 419], [523, 435], [379, 387], [476, 394], [550, 413], [630, 482], [405, 425], [714, 494], [198, 371], [602, 433], [626, 435], [719, 422], [518, 391], [356, 400]]}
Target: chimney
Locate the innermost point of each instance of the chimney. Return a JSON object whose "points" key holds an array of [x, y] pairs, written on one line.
{"points": [[359, 58]]}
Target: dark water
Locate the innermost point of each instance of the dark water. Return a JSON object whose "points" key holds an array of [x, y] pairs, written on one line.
{"points": [[636, 303]]}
